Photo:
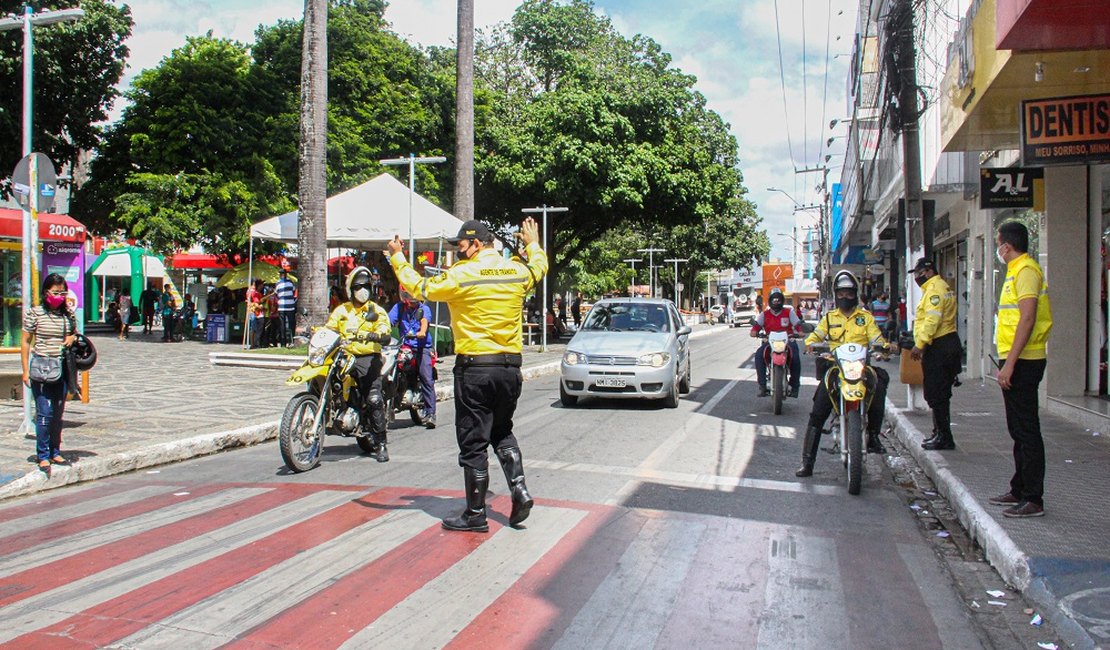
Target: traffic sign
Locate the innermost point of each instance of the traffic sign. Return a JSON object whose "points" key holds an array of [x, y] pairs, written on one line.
{"points": [[47, 182]]}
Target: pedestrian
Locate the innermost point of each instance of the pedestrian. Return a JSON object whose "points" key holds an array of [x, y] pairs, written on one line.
{"points": [[255, 315], [168, 305], [287, 308], [188, 315], [937, 345], [576, 310], [561, 309], [125, 315], [365, 328], [148, 303], [272, 326], [334, 298], [485, 293], [848, 323], [412, 318], [880, 309], [1024, 323], [47, 330]]}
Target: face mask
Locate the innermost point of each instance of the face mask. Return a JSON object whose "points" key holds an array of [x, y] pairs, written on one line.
{"points": [[362, 294], [465, 255], [998, 254], [846, 303], [54, 302], [920, 280]]}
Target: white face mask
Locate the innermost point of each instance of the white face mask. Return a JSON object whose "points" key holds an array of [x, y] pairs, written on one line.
{"points": [[362, 295], [998, 254]]}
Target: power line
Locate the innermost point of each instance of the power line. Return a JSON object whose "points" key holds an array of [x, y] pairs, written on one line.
{"points": [[805, 94], [782, 84], [825, 92]]}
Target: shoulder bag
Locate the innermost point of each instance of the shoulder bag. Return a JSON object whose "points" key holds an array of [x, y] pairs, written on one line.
{"points": [[46, 370]]}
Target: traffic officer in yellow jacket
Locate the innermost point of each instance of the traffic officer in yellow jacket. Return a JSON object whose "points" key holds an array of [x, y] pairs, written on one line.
{"points": [[848, 323], [1024, 323], [485, 293], [937, 345], [365, 326]]}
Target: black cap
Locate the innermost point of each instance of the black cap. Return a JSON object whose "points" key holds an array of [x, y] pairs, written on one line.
{"points": [[472, 229], [923, 264]]}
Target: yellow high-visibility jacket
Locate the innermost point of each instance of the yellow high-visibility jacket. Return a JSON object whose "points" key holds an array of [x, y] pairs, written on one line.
{"points": [[1014, 290], [859, 327], [936, 312], [351, 321]]}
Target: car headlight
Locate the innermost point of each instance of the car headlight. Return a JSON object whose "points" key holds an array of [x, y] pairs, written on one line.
{"points": [[852, 370], [655, 360], [573, 358]]}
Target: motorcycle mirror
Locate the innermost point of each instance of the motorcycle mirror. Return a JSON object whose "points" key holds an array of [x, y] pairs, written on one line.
{"points": [[752, 322], [808, 328], [372, 316]]}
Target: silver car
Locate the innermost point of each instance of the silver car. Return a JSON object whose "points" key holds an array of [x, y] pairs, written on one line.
{"points": [[628, 347]]}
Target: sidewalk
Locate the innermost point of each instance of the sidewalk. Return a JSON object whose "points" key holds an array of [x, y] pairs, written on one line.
{"points": [[1060, 561], [154, 403]]}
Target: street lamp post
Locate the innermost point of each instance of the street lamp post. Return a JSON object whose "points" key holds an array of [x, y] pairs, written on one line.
{"points": [[633, 262], [412, 161], [29, 20], [651, 266], [677, 290], [544, 209]]}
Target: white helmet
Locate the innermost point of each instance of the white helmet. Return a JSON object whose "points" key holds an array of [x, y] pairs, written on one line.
{"points": [[359, 275]]}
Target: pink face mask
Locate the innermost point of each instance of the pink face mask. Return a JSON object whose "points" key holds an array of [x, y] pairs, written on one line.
{"points": [[54, 302]]}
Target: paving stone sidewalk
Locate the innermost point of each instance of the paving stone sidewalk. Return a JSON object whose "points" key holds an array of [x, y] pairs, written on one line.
{"points": [[1062, 560], [154, 402]]}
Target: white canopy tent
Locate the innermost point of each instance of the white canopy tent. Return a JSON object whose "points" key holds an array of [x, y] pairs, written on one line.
{"points": [[368, 216], [117, 265]]}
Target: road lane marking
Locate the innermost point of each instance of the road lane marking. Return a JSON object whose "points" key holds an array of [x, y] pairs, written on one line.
{"points": [[803, 605]]}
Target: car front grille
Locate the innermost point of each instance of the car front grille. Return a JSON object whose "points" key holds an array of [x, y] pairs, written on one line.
{"points": [[605, 360]]}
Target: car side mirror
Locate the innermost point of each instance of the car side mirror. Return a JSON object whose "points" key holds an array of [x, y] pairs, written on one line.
{"points": [[684, 330], [808, 328]]}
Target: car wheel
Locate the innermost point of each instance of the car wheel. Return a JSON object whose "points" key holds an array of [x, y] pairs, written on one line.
{"points": [[671, 399], [565, 398], [684, 383]]}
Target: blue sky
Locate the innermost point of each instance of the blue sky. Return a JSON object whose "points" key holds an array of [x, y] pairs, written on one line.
{"points": [[729, 45]]}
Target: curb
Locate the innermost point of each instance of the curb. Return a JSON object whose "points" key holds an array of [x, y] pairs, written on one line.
{"points": [[206, 444], [1001, 551]]}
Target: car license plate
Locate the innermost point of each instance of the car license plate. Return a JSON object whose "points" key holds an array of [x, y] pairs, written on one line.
{"points": [[612, 382]]}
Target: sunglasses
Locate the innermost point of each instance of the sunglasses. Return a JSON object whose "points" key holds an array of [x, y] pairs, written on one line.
{"points": [[63, 292]]}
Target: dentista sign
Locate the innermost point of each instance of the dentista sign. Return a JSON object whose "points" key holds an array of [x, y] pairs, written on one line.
{"points": [[1065, 130]]}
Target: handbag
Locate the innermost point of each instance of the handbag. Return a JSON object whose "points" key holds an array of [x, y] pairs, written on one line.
{"points": [[46, 370]]}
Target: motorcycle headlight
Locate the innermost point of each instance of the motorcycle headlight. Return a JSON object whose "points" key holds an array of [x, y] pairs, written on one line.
{"points": [[852, 370], [778, 346], [317, 355], [573, 358], [655, 360]]}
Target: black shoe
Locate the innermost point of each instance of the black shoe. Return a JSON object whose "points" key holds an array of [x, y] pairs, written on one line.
{"points": [[382, 455], [805, 470], [513, 465], [793, 392], [763, 392], [874, 444], [430, 421], [1024, 509], [940, 443], [931, 439], [473, 519]]}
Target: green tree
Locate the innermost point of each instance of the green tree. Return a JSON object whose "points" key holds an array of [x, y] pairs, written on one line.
{"points": [[76, 68]]}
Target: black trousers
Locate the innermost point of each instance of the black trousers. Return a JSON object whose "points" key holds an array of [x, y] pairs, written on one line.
{"points": [[940, 364], [485, 401], [367, 371], [1023, 421], [822, 404]]}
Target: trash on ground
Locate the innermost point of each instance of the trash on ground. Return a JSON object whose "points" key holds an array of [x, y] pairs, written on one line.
{"points": [[997, 593], [975, 603], [154, 471], [914, 506], [1037, 620], [997, 603], [1047, 646], [943, 533], [1068, 460], [1029, 610], [1096, 433], [181, 494]]}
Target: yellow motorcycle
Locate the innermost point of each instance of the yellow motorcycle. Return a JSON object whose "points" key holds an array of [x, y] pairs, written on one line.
{"points": [[848, 380], [330, 404]]}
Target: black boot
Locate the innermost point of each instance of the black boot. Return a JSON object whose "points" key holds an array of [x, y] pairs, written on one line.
{"points": [[933, 437], [810, 444], [943, 439], [382, 455], [874, 444], [378, 431], [513, 465], [763, 390], [474, 517]]}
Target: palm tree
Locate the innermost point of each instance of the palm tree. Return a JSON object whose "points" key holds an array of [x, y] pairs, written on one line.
{"points": [[312, 266], [464, 113]]}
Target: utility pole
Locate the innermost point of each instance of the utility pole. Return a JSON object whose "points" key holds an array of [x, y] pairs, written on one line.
{"points": [[651, 267], [677, 285], [633, 262], [544, 209]]}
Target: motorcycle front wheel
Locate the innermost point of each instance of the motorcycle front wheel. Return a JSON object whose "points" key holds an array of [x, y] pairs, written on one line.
{"points": [[854, 437], [778, 387], [301, 447]]}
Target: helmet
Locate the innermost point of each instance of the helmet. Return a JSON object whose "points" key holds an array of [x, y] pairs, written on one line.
{"points": [[842, 281], [84, 352], [775, 300], [359, 275]]}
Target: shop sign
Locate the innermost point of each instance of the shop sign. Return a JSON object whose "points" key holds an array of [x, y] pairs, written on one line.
{"points": [[1010, 187], [1065, 130]]}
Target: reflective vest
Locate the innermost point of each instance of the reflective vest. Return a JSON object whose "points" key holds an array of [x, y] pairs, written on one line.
{"points": [[936, 312], [836, 329], [485, 294], [351, 322], [1009, 314]]}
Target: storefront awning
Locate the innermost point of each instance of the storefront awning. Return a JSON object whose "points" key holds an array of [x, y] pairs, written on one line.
{"points": [[52, 227], [198, 261]]}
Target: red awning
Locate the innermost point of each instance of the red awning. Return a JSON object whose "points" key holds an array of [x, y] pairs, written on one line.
{"points": [[198, 261], [52, 227]]}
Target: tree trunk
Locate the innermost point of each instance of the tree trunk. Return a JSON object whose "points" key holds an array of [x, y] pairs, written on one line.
{"points": [[464, 113], [312, 267]]}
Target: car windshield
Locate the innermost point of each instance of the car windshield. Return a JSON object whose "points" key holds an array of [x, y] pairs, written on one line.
{"points": [[628, 317]]}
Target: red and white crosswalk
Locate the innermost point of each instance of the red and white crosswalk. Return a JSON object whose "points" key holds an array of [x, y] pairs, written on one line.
{"points": [[130, 564]]}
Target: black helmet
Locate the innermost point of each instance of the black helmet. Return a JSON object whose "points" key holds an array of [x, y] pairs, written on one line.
{"points": [[776, 299], [84, 352]]}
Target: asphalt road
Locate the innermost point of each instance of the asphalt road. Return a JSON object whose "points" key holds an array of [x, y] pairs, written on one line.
{"points": [[653, 528]]}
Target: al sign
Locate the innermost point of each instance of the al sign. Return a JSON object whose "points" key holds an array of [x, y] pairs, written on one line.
{"points": [[1011, 187], [1065, 130]]}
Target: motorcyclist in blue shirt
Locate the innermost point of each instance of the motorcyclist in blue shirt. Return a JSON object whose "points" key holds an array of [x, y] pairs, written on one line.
{"points": [[411, 319]]}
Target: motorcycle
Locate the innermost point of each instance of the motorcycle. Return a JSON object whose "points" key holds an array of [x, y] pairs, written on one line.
{"points": [[777, 355], [330, 404], [847, 381], [401, 382]]}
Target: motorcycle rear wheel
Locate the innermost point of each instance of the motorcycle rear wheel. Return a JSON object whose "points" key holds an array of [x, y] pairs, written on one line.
{"points": [[301, 448], [778, 387], [854, 436]]}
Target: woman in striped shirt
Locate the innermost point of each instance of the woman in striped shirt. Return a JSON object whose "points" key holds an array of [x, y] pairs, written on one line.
{"points": [[47, 329]]}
